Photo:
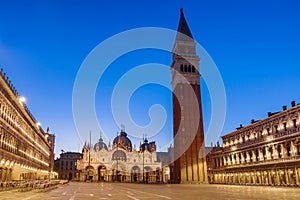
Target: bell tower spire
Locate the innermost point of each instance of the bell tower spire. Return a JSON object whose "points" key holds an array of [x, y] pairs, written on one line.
{"points": [[183, 27], [188, 131]]}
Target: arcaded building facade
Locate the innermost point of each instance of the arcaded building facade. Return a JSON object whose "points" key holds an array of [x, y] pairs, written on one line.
{"points": [[267, 152], [25, 149], [188, 132], [120, 162]]}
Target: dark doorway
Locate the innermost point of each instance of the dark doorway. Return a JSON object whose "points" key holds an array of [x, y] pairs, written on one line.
{"points": [[101, 173]]}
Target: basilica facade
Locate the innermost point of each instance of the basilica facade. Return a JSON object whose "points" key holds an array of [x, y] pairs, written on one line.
{"points": [[120, 162]]}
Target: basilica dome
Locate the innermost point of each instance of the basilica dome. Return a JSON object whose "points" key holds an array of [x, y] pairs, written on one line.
{"points": [[100, 145], [123, 141]]}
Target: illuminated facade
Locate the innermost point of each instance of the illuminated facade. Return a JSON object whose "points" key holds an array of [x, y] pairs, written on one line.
{"points": [[25, 149], [119, 162], [267, 152]]}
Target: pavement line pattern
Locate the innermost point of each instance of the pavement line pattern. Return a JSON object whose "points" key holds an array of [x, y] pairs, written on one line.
{"points": [[131, 197], [130, 193], [30, 197], [153, 194], [162, 196]]}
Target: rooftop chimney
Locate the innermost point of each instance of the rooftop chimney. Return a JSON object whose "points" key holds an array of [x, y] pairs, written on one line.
{"points": [[293, 103], [284, 107]]}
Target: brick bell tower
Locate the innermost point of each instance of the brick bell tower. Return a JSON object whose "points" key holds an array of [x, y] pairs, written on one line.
{"points": [[189, 149]]}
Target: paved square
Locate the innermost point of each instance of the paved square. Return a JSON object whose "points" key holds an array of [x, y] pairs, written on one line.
{"points": [[82, 191]]}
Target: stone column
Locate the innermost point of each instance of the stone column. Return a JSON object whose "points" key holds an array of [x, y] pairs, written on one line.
{"points": [[275, 152], [277, 177], [237, 159], [283, 151], [293, 149], [269, 178], [259, 178], [242, 158], [268, 153], [224, 160], [248, 157], [228, 160], [253, 156], [286, 177], [232, 158], [254, 177], [260, 155], [296, 176]]}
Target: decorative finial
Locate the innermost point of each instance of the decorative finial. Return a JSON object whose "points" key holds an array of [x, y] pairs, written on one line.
{"points": [[181, 11], [122, 127]]}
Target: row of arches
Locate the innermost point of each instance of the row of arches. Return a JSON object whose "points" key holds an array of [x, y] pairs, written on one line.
{"points": [[187, 68], [278, 128], [288, 176], [12, 117], [137, 174], [16, 146], [265, 153]]}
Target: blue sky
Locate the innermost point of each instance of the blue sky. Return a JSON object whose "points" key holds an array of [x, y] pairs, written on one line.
{"points": [[255, 44]]}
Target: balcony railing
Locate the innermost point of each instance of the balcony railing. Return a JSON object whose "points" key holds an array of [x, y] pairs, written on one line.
{"points": [[263, 139], [263, 162]]}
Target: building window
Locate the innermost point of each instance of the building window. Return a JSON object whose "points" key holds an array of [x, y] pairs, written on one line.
{"points": [[256, 154], [193, 69], [279, 151], [288, 150], [268, 131], [119, 155], [189, 68], [295, 123], [181, 67], [185, 68], [284, 126], [276, 128]]}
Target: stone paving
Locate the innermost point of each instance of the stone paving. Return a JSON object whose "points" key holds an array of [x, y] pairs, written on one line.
{"points": [[82, 191]]}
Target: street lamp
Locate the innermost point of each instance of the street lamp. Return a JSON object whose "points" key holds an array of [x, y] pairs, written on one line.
{"points": [[117, 156], [22, 99], [143, 159]]}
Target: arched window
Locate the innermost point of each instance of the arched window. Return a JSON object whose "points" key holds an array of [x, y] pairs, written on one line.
{"points": [[189, 68], [185, 68], [181, 67], [193, 69], [119, 155]]}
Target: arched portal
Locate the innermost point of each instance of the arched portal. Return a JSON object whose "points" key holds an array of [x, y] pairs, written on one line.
{"points": [[101, 173], [90, 173], [135, 171]]}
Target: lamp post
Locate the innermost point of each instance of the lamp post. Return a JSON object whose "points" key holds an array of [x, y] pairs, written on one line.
{"points": [[117, 156], [143, 160]]}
